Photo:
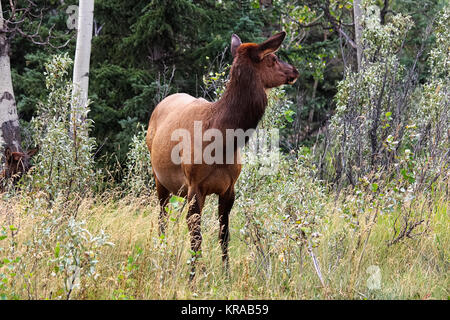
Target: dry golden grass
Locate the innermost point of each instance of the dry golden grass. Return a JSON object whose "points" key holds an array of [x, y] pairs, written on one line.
{"points": [[141, 265]]}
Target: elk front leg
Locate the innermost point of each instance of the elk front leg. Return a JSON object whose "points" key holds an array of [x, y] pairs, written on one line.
{"points": [[226, 202]]}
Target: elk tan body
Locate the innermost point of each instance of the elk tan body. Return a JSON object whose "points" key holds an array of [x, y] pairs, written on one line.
{"points": [[255, 69], [179, 111]]}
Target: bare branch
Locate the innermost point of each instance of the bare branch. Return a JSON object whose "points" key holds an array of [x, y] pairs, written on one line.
{"points": [[19, 16], [336, 24], [349, 40]]}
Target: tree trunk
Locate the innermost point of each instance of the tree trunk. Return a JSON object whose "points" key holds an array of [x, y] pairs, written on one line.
{"points": [[384, 11], [82, 55], [357, 16], [9, 121]]}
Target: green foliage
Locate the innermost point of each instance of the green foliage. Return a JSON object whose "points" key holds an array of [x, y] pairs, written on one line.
{"points": [[389, 135], [163, 27], [292, 235], [268, 186], [140, 53], [139, 176], [381, 112], [434, 95], [77, 256], [59, 247], [64, 165], [296, 210]]}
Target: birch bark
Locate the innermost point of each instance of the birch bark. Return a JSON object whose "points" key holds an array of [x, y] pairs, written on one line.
{"points": [[357, 16], [82, 55], [9, 120]]}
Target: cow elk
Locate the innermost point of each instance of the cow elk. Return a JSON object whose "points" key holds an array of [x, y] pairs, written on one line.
{"points": [[254, 70]]}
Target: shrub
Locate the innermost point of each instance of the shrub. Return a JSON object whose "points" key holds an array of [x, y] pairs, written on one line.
{"points": [[55, 246], [382, 112], [64, 165], [139, 177]]}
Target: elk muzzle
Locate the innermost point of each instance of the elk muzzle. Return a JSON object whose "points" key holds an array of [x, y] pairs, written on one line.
{"points": [[292, 76]]}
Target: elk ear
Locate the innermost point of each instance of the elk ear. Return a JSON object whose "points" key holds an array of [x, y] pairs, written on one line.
{"points": [[32, 152], [271, 45], [235, 43]]}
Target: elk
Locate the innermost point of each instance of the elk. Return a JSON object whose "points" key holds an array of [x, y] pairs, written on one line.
{"points": [[16, 164], [254, 70]]}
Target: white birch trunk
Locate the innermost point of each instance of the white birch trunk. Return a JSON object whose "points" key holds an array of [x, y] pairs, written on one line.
{"points": [[357, 16], [82, 55], [9, 121]]}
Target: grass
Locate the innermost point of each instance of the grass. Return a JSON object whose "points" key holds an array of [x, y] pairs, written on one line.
{"points": [[141, 265]]}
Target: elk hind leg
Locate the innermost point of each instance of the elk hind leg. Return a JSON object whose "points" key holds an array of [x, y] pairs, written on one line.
{"points": [[196, 200], [163, 196]]}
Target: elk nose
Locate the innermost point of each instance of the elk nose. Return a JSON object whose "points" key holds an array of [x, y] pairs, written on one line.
{"points": [[295, 71]]}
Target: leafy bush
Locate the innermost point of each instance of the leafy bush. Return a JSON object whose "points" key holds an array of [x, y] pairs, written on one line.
{"points": [[64, 165], [55, 246], [139, 177], [281, 214], [389, 136], [382, 111]]}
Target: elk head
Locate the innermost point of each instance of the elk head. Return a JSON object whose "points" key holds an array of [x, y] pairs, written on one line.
{"points": [[17, 163], [268, 68]]}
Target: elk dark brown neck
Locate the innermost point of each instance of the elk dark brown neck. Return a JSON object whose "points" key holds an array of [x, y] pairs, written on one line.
{"points": [[244, 101]]}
